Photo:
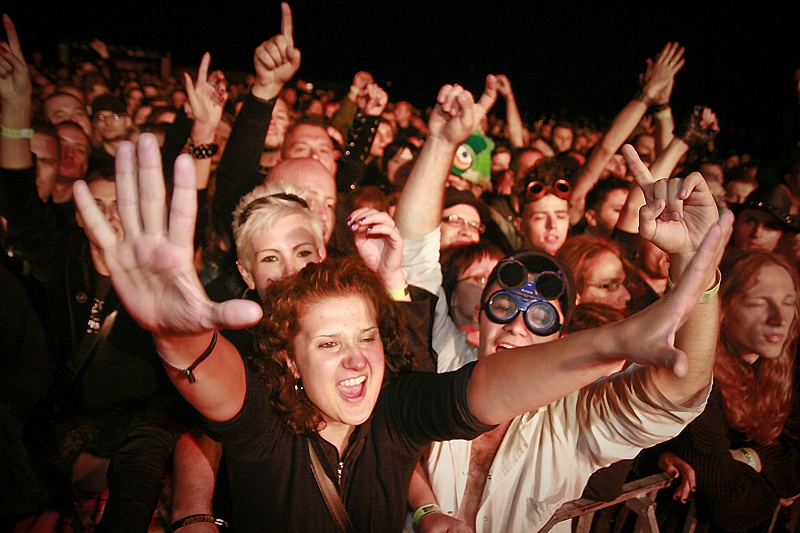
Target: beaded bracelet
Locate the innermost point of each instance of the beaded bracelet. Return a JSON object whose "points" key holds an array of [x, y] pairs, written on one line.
{"points": [[195, 518]]}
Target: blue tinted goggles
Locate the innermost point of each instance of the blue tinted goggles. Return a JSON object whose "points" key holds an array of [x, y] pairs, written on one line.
{"points": [[531, 297]]}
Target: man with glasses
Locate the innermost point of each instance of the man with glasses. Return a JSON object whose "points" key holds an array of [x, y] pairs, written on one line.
{"points": [[111, 124], [463, 219]]}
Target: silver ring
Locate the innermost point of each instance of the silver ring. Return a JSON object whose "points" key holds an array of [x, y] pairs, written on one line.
{"points": [[672, 63]]}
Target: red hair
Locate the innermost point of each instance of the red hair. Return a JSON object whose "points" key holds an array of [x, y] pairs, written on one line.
{"points": [[285, 302], [758, 397]]}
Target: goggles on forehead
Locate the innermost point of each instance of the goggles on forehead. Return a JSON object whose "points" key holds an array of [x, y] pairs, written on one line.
{"points": [[537, 189], [531, 297]]}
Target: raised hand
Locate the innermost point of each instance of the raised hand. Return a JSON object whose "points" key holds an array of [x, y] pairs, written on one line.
{"points": [[206, 98], [276, 61], [379, 244], [453, 118], [152, 266], [678, 212], [443, 523], [659, 78], [15, 80], [649, 335], [372, 100], [504, 86]]}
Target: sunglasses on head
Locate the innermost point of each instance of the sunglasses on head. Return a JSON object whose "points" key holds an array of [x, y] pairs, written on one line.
{"points": [[537, 190]]}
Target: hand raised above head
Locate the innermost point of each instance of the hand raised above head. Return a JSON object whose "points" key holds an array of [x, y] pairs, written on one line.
{"points": [[453, 118], [15, 80], [205, 99], [276, 61], [152, 266], [678, 212], [649, 335]]}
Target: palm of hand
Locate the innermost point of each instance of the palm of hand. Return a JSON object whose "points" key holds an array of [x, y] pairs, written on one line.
{"points": [[156, 280]]}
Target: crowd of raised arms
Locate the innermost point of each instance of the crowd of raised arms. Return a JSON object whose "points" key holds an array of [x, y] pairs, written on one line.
{"points": [[262, 306]]}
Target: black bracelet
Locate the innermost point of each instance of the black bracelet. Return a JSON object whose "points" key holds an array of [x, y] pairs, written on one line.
{"points": [[641, 95], [195, 518], [189, 370], [202, 151]]}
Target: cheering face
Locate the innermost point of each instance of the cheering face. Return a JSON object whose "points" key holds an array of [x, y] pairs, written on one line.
{"points": [[280, 251], [758, 321], [515, 334], [338, 355]]}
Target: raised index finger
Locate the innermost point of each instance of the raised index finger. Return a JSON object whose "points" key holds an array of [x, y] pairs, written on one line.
{"points": [[287, 28], [639, 171], [11, 35]]}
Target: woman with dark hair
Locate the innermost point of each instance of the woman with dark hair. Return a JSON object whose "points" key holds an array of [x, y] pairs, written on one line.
{"points": [[745, 448]]}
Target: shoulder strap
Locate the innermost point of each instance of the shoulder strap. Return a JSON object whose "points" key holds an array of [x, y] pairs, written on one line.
{"points": [[98, 341], [329, 493]]}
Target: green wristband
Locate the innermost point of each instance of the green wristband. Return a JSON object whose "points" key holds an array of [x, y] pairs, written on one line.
{"points": [[710, 293], [423, 510]]}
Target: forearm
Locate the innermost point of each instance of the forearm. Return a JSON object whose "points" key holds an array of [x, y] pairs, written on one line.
{"points": [[195, 465], [512, 382], [664, 128], [697, 338], [219, 388], [15, 154], [514, 123], [420, 206], [420, 491]]}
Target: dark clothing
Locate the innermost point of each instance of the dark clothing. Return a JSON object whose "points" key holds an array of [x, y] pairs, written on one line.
{"points": [[106, 362], [731, 495], [273, 486]]}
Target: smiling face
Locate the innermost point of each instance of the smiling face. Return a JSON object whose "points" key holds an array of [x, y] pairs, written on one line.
{"points": [[278, 251], [515, 334], [338, 355], [758, 321]]}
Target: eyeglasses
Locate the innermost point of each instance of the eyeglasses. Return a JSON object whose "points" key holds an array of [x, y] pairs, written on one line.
{"points": [[529, 297], [537, 190], [106, 117], [455, 220], [261, 201], [477, 279], [611, 286]]}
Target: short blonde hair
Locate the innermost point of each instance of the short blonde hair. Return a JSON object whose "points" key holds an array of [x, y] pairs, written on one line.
{"points": [[265, 206]]}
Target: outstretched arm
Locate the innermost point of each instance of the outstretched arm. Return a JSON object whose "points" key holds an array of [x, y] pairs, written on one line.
{"points": [[152, 270], [516, 381], [513, 119]]}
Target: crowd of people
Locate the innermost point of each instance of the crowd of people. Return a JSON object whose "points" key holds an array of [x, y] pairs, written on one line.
{"points": [[259, 307]]}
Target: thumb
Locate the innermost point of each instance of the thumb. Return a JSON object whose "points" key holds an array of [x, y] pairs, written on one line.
{"points": [[236, 314], [673, 359]]}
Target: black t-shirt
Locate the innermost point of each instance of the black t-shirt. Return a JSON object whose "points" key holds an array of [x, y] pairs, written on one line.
{"points": [[272, 484]]}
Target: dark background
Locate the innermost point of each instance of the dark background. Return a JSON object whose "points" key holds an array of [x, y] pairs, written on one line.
{"points": [[563, 58]]}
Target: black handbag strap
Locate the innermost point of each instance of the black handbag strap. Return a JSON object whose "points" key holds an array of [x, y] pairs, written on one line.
{"points": [[96, 342], [330, 494]]}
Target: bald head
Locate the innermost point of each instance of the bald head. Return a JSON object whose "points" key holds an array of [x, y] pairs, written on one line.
{"points": [[310, 174]]}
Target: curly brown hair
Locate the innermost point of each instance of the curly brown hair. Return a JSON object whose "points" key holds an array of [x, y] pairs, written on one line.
{"points": [[758, 397], [285, 303]]}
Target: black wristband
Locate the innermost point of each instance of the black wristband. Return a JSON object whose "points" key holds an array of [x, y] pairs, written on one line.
{"points": [[189, 371], [195, 518], [202, 151]]}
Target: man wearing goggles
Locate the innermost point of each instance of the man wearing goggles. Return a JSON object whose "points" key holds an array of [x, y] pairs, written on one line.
{"points": [[515, 477]]}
